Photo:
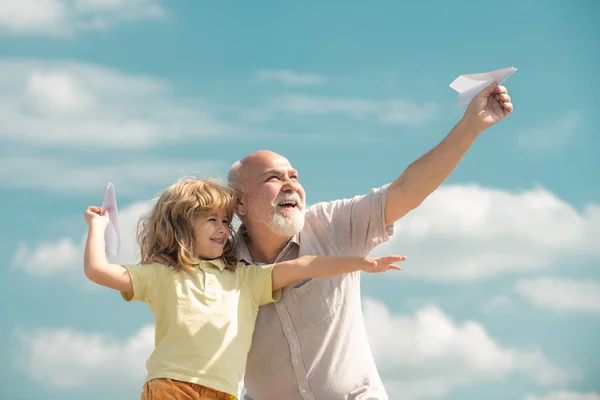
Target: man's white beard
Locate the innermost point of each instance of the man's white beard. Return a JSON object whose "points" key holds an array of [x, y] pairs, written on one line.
{"points": [[287, 226]]}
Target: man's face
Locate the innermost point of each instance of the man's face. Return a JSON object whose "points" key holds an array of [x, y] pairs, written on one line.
{"points": [[273, 196]]}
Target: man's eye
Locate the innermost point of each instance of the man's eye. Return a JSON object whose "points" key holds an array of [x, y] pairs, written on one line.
{"points": [[272, 177]]}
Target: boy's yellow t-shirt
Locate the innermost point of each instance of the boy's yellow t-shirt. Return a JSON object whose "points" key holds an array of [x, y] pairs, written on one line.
{"points": [[204, 319]]}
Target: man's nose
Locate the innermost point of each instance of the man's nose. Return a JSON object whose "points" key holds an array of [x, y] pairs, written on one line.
{"points": [[290, 186]]}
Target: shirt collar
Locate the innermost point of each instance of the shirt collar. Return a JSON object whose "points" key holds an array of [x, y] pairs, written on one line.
{"points": [[217, 262], [243, 253]]}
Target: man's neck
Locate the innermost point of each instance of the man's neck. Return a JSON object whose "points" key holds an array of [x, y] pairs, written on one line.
{"points": [[264, 245]]}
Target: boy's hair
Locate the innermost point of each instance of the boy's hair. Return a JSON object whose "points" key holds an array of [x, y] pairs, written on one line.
{"points": [[167, 229]]}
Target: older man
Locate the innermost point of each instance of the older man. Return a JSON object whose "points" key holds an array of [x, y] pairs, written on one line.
{"points": [[312, 343]]}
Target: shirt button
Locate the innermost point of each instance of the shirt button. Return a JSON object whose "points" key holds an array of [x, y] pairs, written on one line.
{"points": [[303, 390], [209, 283]]}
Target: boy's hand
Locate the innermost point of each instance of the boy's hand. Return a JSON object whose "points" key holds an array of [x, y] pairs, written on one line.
{"points": [[382, 264], [94, 218]]}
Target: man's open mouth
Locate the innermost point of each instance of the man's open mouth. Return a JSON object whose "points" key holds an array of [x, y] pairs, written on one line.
{"points": [[288, 205]]}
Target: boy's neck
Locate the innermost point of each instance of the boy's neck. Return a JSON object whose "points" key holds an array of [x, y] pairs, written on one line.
{"points": [[264, 245]]}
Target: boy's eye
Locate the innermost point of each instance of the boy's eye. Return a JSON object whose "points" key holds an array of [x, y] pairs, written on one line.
{"points": [[212, 219]]}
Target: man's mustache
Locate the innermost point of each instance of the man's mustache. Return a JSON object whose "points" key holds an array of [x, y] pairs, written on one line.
{"points": [[286, 198]]}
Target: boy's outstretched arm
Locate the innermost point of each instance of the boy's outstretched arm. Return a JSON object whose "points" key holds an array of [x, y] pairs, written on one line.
{"points": [[287, 272], [95, 265]]}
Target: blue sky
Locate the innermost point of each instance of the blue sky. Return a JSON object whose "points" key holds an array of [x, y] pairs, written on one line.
{"points": [[500, 297]]}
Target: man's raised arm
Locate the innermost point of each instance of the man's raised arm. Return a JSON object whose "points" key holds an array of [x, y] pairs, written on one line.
{"points": [[424, 175]]}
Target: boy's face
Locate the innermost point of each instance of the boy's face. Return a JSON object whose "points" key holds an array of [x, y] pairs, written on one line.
{"points": [[211, 232]]}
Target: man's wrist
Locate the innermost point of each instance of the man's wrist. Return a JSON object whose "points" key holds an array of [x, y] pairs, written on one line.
{"points": [[470, 125]]}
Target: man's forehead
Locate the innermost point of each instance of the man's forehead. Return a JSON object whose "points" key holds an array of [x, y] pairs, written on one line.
{"points": [[257, 164], [278, 164]]}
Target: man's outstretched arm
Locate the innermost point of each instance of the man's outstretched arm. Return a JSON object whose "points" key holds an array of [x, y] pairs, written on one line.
{"points": [[424, 175]]}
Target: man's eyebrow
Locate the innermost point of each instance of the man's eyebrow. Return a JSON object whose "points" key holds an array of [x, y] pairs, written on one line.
{"points": [[275, 171], [272, 171]]}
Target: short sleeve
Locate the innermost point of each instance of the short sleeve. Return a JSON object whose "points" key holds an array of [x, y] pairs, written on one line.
{"points": [[144, 277], [258, 281], [355, 225]]}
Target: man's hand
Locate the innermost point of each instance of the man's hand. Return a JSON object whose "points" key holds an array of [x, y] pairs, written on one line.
{"points": [[490, 106]]}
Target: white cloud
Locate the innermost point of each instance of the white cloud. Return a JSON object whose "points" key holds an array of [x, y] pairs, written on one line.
{"points": [[427, 355], [561, 294], [83, 177], [392, 112], [48, 258], [469, 232], [68, 104], [557, 134], [63, 18], [73, 104], [499, 302], [64, 256], [69, 359], [564, 395], [57, 93], [290, 78]]}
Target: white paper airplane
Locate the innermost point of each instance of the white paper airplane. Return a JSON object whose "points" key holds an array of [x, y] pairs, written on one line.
{"points": [[111, 236], [469, 85]]}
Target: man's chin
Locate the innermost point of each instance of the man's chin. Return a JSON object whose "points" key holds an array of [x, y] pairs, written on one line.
{"points": [[287, 225], [291, 214]]}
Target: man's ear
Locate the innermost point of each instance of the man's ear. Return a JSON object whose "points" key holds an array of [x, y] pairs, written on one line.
{"points": [[239, 208]]}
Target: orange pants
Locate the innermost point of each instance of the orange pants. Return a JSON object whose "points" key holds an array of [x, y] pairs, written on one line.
{"points": [[169, 389]]}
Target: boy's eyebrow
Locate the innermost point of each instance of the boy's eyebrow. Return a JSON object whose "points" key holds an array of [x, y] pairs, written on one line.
{"points": [[212, 214]]}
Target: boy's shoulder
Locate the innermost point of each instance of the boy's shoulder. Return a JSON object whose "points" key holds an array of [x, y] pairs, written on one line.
{"points": [[146, 265], [154, 268]]}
